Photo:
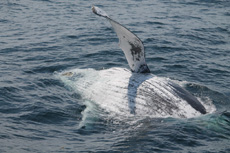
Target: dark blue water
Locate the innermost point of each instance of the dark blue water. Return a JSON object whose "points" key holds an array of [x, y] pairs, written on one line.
{"points": [[186, 40]]}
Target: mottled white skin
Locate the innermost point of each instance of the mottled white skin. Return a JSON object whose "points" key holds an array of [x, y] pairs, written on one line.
{"points": [[119, 91]]}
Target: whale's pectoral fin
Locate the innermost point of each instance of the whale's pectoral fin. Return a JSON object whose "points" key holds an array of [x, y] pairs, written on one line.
{"points": [[184, 94], [129, 43]]}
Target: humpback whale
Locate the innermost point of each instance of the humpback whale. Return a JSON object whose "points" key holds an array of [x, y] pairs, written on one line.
{"points": [[135, 92]]}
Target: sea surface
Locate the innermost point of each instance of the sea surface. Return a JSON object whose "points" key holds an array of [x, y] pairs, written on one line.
{"points": [[185, 40]]}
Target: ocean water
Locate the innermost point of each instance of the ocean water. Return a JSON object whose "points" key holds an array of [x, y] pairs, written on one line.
{"points": [[185, 40]]}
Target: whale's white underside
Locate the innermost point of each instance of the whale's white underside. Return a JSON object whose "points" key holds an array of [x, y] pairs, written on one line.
{"points": [[119, 91]]}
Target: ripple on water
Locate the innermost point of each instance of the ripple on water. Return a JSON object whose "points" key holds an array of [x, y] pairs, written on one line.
{"points": [[183, 40]]}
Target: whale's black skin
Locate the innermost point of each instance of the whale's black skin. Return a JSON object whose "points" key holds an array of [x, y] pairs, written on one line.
{"points": [[135, 55]]}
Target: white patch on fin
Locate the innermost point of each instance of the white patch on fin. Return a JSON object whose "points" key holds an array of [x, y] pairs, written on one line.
{"points": [[99, 11], [131, 45]]}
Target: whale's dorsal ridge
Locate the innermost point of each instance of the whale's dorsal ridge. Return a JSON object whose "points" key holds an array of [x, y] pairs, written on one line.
{"points": [[131, 45]]}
